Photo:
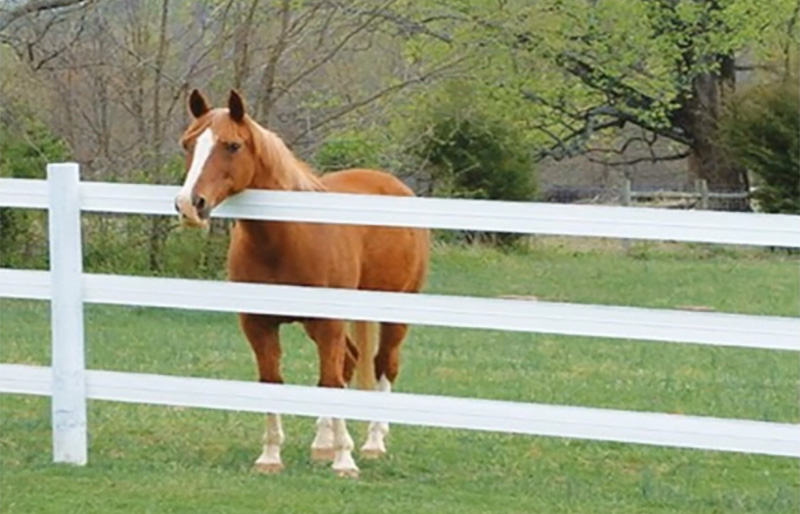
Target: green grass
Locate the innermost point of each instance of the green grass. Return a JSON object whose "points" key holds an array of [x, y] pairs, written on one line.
{"points": [[161, 459]]}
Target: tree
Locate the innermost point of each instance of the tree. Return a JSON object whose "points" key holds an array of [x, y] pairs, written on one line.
{"points": [[669, 77], [13, 11], [589, 67], [111, 78], [761, 131]]}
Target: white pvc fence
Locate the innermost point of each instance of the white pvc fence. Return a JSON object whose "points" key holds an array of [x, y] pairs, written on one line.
{"points": [[68, 288]]}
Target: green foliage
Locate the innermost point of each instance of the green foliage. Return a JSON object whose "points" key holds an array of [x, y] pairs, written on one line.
{"points": [[350, 150], [471, 154], [761, 130], [478, 158], [120, 244], [111, 243], [565, 70], [26, 146]]}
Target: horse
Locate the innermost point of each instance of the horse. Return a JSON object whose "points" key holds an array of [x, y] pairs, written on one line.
{"points": [[228, 152]]}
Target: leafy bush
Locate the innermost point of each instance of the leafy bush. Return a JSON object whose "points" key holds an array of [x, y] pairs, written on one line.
{"points": [[477, 157], [761, 131], [348, 151], [26, 146], [112, 243]]}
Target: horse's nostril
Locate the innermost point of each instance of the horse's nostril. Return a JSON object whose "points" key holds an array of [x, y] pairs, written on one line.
{"points": [[177, 206], [199, 202]]}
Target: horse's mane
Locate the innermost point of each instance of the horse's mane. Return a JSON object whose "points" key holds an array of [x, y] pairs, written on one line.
{"points": [[289, 172]]}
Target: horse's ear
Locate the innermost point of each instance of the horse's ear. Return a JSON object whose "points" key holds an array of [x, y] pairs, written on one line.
{"points": [[198, 105], [236, 106]]}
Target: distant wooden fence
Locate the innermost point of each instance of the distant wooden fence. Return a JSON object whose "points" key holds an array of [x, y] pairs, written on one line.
{"points": [[66, 286], [701, 198]]}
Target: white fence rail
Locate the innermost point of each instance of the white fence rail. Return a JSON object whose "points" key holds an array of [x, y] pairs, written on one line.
{"points": [[437, 411], [527, 218], [68, 288], [719, 329]]}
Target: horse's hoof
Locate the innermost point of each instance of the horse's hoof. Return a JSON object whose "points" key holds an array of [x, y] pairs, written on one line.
{"points": [[268, 468], [322, 454], [372, 453], [346, 473]]}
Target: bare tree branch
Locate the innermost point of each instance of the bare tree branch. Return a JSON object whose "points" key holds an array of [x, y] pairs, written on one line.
{"points": [[601, 117], [333, 52], [637, 160], [408, 26], [241, 47], [376, 96], [9, 15], [263, 101]]}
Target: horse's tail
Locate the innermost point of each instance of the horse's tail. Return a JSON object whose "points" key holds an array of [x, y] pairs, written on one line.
{"points": [[365, 335]]}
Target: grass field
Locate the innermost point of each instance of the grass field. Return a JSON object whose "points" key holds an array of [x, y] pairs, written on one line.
{"points": [[172, 460]]}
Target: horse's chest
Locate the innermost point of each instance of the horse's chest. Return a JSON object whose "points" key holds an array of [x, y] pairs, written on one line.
{"points": [[321, 264], [273, 267]]}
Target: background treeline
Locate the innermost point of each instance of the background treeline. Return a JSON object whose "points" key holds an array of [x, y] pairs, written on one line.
{"points": [[469, 99]]}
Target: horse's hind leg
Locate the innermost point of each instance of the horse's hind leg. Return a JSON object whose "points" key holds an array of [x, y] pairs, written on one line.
{"points": [[262, 334], [387, 366], [322, 446], [331, 342]]}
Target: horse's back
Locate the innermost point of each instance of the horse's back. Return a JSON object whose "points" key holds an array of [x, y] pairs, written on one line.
{"points": [[393, 258], [363, 181]]}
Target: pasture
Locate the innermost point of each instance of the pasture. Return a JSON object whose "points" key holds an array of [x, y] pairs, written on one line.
{"points": [[160, 459]]}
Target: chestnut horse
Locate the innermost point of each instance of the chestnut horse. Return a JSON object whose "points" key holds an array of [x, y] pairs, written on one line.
{"points": [[227, 152]]}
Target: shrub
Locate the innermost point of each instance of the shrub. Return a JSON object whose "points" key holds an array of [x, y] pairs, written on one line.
{"points": [[26, 146], [477, 157], [480, 159], [761, 131], [348, 151]]}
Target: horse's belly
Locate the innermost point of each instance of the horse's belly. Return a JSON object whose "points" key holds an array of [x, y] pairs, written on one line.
{"points": [[394, 259]]}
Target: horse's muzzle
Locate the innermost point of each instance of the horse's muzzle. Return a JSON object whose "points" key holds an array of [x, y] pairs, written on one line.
{"points": [[193, 211]]}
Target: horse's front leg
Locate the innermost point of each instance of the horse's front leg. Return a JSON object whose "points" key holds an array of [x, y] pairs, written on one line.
{"points": [[331, 340], [322, 446], [262, 333]]}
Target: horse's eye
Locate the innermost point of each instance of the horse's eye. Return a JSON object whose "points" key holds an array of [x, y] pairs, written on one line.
{"points": [[232, 147]]}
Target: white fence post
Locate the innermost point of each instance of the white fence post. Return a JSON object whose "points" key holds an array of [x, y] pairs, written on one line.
{"points": [[66, 267]]}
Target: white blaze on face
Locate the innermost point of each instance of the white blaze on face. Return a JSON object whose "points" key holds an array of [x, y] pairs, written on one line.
{"points": [[202, 151]]}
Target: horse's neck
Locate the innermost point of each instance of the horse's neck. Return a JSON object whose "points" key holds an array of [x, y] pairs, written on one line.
{"points": [[280, 169], [276, 245]]}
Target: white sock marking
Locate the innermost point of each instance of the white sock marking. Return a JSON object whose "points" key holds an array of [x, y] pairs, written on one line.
{"points": [[384, 385], [273, 439], [378, 430], [324, 438], [343, 445]]}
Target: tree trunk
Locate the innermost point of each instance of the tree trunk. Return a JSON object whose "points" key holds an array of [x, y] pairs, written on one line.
{"points": [[266, 95], [241, 48], [707, 159], [159, 227]]}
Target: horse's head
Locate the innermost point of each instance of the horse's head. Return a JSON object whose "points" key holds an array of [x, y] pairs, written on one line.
{"points": [[221, 157]]}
